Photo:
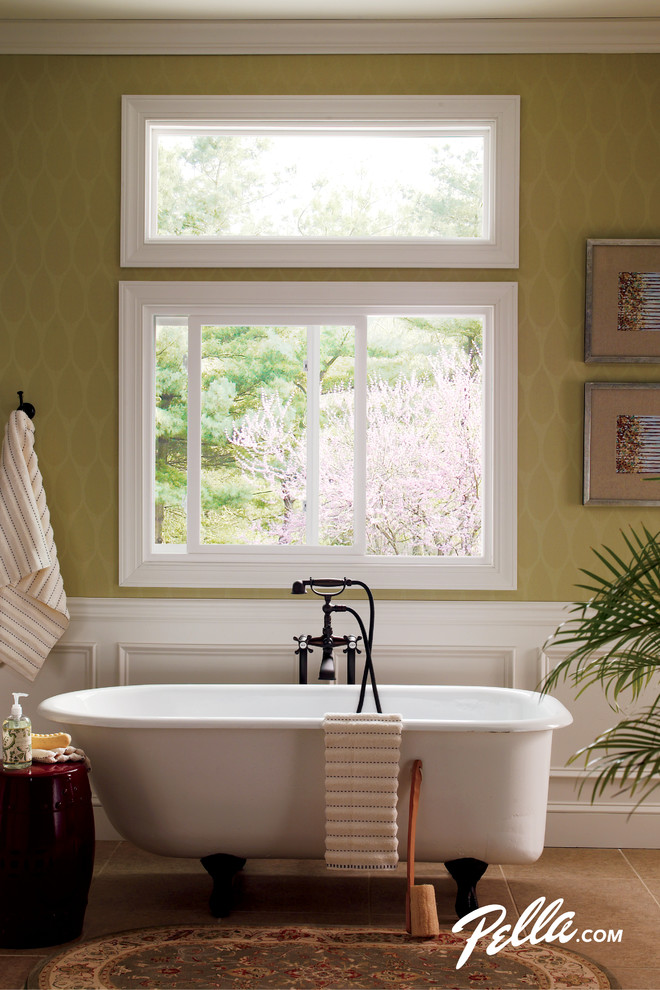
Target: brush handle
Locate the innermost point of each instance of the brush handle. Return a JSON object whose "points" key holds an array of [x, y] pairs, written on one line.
{"points": [[415, 784]]}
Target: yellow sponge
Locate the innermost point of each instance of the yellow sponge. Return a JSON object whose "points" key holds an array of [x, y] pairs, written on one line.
{"points": [[51, 740]]}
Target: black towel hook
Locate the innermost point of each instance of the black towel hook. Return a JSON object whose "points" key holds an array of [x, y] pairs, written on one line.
{"points": [[26, 407]]}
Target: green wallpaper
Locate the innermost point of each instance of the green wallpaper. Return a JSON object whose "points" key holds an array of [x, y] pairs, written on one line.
{"points": [[589, 168]]}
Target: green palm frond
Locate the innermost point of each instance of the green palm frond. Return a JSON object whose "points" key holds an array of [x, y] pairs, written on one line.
{"points": [[628, 755], [615, 635], [613, 641]]}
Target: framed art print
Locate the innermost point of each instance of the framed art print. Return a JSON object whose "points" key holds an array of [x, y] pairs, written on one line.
{"points": [[622, 315], [621, 443]]}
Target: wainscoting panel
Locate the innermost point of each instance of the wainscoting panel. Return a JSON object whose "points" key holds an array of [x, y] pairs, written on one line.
{"points": [[71, 666], [204, 663], [489, 666], [148, 641], [592, 713]]}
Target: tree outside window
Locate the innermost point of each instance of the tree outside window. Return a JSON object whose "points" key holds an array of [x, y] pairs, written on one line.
{"points": [[424, 412]]}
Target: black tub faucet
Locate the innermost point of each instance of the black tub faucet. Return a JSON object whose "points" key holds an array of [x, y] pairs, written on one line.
{"points": [[329, 588]]}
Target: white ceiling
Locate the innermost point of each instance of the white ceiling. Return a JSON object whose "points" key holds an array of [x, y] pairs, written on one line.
{"points": [[324, 9]]}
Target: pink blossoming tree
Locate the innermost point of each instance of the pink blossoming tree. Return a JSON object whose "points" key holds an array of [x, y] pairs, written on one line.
{"points": [[424, 463]]}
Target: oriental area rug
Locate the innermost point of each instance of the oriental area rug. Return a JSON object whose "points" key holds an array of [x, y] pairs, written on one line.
{"points": [[211, 956]]}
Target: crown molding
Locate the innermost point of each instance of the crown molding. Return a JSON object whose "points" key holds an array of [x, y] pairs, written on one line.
{"points": [[291, 37]]}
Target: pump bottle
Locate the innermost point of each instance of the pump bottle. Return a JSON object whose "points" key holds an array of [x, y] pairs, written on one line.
{"points": [[17, 738]]}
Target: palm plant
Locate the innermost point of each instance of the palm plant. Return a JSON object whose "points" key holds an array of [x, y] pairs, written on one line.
{"points": [[615, 643]]}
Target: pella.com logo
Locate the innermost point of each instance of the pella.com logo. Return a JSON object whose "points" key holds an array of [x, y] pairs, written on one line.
{"points": [[544, 922]]}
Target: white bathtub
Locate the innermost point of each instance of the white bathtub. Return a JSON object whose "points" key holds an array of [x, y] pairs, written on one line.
{"points": [[194, 770]]}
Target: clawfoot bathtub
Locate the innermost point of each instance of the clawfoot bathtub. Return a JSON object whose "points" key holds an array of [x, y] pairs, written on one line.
{"points": [[238, 770]]}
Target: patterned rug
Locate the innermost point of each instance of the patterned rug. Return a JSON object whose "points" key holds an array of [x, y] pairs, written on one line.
{"points": [[211, 956]]}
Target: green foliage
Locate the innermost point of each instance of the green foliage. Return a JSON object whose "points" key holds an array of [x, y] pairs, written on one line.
{"points": [[401, 345], [615, 642], [202, 184], [353, 212], [455, 208], [211, 186], [627, 754], [240, 364]]}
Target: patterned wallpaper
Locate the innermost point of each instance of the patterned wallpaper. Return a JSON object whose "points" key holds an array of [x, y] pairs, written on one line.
{"points": [[590, 146]]}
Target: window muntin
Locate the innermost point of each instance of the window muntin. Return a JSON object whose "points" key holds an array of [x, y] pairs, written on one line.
{"points": [[403, 317], [238, 193]]}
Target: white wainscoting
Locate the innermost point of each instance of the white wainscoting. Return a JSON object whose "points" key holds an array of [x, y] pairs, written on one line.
{"points": [[136, 641]]}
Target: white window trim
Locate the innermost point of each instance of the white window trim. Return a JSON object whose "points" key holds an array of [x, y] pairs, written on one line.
{"points": [[140, 114], [141, 565]]}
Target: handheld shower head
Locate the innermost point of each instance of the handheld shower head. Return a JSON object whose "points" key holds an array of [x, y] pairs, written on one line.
{"points": [[325, 586]]}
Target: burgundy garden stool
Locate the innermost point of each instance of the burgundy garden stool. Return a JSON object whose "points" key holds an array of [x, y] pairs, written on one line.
{"points": [[46, 854]]}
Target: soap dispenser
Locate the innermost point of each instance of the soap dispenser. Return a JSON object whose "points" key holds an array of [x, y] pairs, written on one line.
{"points": [[17, 738]]}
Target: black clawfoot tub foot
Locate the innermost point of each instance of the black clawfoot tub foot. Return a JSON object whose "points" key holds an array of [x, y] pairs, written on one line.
{"points": [[466, 873], [222, 869]]}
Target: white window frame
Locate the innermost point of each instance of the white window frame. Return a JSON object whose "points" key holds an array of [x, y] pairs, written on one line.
{"points": [[142, 115], [142, 564]]}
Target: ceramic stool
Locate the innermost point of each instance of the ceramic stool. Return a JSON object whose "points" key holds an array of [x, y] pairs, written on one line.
{"points": [[46, 853]]}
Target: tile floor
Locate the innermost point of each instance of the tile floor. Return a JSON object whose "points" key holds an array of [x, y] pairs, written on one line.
{"points": [[606, 888]]}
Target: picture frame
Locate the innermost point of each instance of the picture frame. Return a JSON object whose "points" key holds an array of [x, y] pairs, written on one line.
{"points": [[621, 443], [622, 301]]}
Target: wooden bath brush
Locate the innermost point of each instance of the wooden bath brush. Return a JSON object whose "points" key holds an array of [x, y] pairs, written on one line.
{"points": [[421, 912]]}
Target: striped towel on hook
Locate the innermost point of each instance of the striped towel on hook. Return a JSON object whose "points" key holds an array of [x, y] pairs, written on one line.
{"points": [[361, 780], [33, 610]]}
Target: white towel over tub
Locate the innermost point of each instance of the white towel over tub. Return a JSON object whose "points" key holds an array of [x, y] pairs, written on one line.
{"points": [[33, 611], [361, 781]]}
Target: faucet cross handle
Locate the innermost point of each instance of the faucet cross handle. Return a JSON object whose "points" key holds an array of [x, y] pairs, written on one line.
{"points": [[352, 644]]}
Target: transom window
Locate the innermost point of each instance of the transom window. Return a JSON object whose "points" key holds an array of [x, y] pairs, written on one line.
{"points": [[272, 426], [405, 181], [225, 182]]}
